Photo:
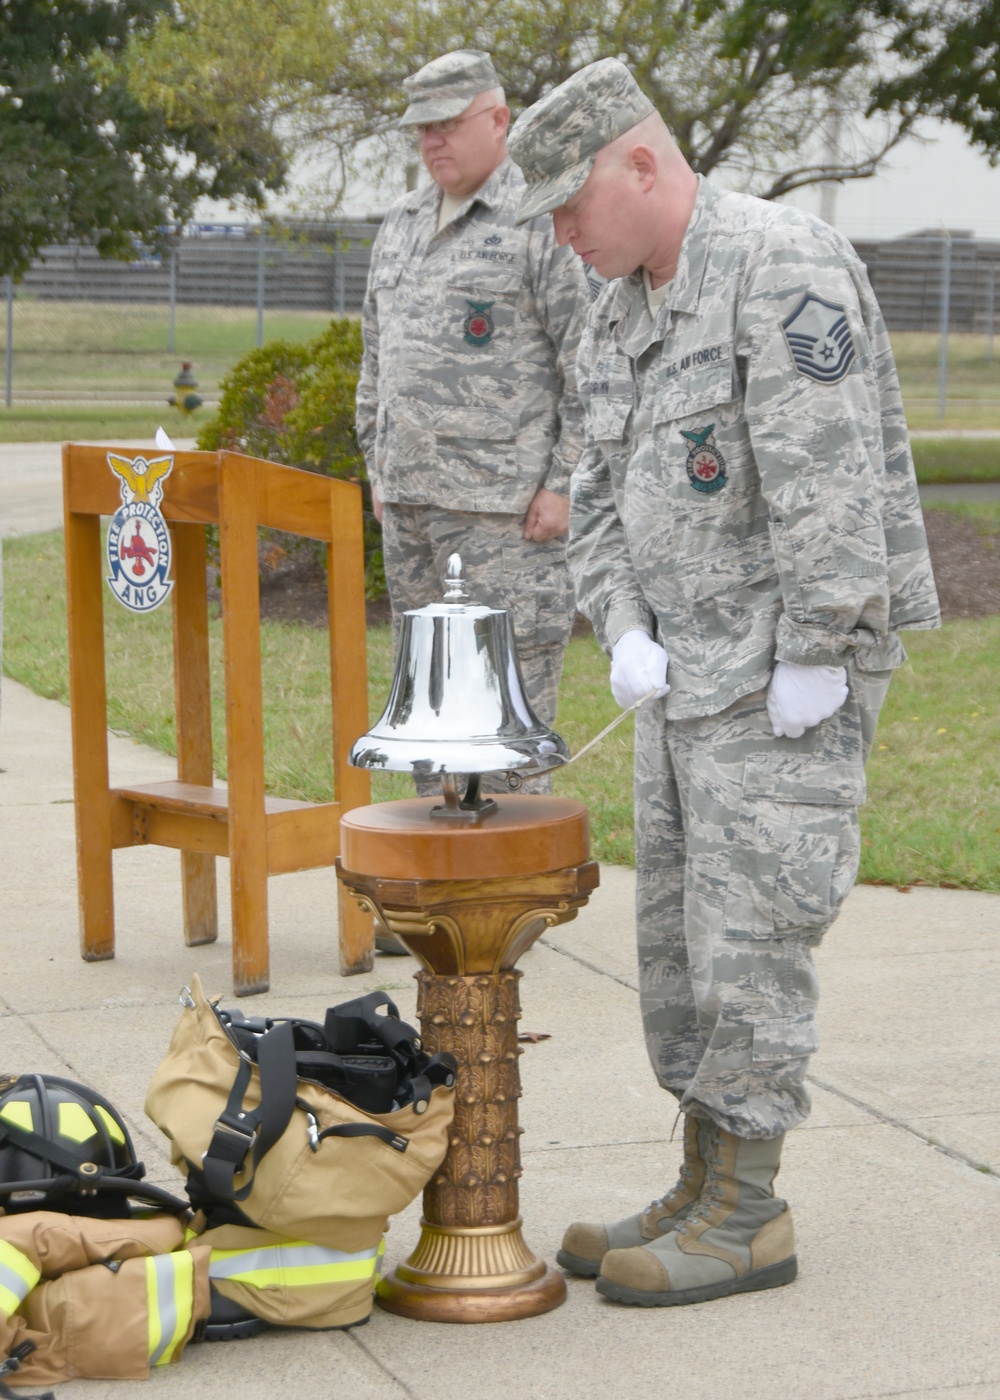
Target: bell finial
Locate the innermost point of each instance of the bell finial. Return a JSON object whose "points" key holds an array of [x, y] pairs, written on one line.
{"points": [[455, 590]]}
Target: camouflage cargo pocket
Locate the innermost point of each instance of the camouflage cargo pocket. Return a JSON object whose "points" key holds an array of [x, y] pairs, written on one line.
{"points": [[476, 446], [796, 845], [785, 1037], [739, 1042]]}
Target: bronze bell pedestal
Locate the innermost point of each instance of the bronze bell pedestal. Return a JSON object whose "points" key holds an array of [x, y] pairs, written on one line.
{"points": [[468, 900]]}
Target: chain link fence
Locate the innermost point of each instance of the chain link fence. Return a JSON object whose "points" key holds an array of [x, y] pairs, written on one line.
{"points": [[939, 294], [79, 328], [82, 328]]}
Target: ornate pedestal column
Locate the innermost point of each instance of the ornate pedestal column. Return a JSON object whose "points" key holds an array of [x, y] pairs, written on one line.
{"points": [[468, 901]]}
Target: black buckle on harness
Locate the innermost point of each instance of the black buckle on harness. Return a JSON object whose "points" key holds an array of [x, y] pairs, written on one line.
{"points": [[231, 1141], [18, 1355]]}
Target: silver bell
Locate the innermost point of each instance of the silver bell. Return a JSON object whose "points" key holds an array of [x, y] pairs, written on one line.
{"points": [[457, 703]]}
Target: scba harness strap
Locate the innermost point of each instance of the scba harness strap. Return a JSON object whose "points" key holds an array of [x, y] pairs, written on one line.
{"points": [[374, 1061]]}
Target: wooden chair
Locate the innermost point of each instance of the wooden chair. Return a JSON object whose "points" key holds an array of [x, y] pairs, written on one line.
{"points": [[261, 835]]}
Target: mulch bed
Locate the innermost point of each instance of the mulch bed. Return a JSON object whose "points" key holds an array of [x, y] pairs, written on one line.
{"points": [[966, 566]]}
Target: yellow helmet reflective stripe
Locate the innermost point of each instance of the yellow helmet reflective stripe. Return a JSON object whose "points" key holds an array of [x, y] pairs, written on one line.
{"points": [[18, 1113], [294, 1265], [170, 1302], [76, 1123], [18, 1277]]}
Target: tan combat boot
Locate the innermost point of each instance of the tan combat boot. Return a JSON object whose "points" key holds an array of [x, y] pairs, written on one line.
{"points": [[737, 1237], [584, 1246]]}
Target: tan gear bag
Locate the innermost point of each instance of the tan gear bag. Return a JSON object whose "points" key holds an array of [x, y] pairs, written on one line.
{"points": [[333, 1175]]}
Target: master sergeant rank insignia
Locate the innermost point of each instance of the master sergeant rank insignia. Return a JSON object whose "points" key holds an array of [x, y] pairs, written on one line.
{"points": [[706, 467], [820, 339], [138, 538]]}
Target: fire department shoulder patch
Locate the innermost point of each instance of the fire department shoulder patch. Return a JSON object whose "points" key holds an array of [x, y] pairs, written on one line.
{"points": [[138, 538], [706, 466], [479, 322], [820, 339]]}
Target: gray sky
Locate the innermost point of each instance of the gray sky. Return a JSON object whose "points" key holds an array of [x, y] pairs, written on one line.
{"points": [[942, 183], [938, 182]]}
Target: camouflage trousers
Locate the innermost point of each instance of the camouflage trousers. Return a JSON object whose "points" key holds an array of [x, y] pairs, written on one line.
{"points": [[746, 847], [503, 570]]}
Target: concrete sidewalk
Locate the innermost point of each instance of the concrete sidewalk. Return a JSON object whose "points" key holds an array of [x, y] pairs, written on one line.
{"points": [[894, 1180], [31, 482]]}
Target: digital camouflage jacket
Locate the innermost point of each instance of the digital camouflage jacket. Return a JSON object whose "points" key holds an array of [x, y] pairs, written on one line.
{"points": [[467, 395], [747, 491]]}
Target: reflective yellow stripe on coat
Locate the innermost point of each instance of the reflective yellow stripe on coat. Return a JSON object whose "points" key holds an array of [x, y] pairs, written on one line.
{"points": [[170, 1298], [294, 1265], [18, 1277]]}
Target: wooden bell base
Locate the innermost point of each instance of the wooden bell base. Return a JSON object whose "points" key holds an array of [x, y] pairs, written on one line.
{"points": [[468, 901]]}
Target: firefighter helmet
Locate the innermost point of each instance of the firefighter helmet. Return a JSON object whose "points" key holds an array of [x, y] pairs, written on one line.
{"points": [[64, 1147]]}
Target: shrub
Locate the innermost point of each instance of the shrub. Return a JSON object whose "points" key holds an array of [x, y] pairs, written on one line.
{"points": [[294, 403]]}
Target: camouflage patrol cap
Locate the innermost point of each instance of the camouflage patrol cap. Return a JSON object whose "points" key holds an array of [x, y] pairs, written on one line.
{"points": [[444, 87], [556, 141]]}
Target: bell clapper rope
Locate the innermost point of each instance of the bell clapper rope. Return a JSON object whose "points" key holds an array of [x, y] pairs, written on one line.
{"points": [[608, 727]]}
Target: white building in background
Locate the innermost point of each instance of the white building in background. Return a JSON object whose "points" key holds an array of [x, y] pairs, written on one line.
{"points": [[940, 182]]}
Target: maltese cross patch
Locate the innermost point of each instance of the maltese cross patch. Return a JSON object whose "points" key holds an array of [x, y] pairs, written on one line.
{"points": [[706, 466], [479, 323]]}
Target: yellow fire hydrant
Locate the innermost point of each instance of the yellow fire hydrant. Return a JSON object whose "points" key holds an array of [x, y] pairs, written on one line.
{"points": [[185, 399]]}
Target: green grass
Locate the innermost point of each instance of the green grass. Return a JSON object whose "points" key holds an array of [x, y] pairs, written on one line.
{"points": [[139, 669], [933, 810], [121, 349], [956, 459], [973, 380], [603, 778], [933, 813], [984, 514], [96, 422]]}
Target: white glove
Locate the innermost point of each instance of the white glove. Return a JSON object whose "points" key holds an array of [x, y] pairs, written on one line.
{"points": [[799, 697], [638, 665]]}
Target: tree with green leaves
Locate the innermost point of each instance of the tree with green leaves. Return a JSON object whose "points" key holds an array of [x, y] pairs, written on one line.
{"points": [[769, 95], [950, 69], [81, 157]]}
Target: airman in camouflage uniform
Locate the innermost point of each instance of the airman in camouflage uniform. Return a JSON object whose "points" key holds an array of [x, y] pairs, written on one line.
{"points": [[467, 410], [746, 508]]}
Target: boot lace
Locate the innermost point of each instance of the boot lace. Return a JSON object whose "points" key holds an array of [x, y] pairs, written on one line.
{"points": [[710, 1195], [684, 1176]]}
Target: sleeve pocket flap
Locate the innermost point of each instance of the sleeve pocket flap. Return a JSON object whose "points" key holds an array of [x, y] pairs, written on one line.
{"points": [[607, 418], [385, 276]]}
